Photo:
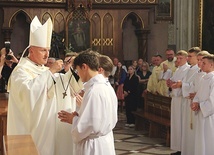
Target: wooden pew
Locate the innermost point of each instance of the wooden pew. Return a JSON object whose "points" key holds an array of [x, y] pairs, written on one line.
{"points": [[19, 145], [3, 118], [156, 115]]}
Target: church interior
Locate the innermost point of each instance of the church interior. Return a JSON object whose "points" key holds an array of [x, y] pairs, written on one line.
{"points": [[125, 29]]}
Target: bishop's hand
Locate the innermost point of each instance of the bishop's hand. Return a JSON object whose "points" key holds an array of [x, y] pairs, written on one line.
{"points": [[57, 66]]}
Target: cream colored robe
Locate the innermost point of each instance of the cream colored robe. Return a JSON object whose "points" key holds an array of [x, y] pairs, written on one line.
{"points": [[64, 143], [153, 80]]}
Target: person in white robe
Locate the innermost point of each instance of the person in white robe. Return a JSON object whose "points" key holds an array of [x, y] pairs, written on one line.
{"points": [[176, 104], [97, 116], [203, 106], [197, 80], [32, 88], [188, 125]]}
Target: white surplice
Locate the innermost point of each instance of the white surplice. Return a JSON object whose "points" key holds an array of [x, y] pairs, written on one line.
{"points": [[32, 104], [92, 129], [204, 137], [176, 109], [188, 117]]}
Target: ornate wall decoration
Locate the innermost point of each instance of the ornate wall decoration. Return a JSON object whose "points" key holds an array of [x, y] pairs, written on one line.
{"points": [[126, 1], [165, 10]]}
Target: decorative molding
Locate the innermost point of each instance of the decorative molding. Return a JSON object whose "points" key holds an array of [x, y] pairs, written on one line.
{"points": [[200, 23], [171, 34]]}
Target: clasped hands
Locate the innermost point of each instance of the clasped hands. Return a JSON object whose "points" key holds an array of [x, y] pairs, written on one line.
{"points": [[195, 106], [173, 84]]}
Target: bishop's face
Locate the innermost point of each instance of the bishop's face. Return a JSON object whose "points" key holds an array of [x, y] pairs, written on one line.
{"points": [[39, 55]]}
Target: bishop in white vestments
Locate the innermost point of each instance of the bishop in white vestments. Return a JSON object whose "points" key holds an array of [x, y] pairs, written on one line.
{"points": [[32, 106]]}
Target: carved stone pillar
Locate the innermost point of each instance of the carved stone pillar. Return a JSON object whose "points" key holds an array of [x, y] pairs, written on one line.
{"points": [[142, 36], [186, 21], [7, 33]]}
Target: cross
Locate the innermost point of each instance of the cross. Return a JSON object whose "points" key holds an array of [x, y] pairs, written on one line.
{"points": [[64, 94]]}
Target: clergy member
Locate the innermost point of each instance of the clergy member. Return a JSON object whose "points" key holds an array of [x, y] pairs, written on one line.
{"points": [[32, 106], [167, 70], [153, 79]]}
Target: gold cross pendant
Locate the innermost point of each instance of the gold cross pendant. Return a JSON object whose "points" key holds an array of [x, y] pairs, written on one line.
{"points": [[64, 94]]}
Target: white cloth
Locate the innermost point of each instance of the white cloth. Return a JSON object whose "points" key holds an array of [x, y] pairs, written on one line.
{"points": [[162, 88], [64, 143], [204, 137], [188, 117], [92, 129], [197, 81], [176, 109], [32, 105]]}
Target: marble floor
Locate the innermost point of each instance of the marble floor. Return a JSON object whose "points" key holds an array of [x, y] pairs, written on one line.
{"points": [[131, 142]]}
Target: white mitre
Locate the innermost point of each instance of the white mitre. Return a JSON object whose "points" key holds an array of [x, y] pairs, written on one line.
{"points": [[40, 35]]}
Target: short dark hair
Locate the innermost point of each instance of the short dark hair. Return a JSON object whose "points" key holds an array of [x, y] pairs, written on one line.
{"points": [[88, 57]]}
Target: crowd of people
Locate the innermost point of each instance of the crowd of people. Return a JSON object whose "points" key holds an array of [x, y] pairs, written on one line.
{"points": [[71, 105]]}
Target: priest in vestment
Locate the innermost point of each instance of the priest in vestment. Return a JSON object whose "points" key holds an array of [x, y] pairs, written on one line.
{"points": [[167, 69], [32, 105], [153, 79], [66, 90]]}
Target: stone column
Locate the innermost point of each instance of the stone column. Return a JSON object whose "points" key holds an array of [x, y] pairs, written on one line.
{"points": [[185, 24], [142, 36]]}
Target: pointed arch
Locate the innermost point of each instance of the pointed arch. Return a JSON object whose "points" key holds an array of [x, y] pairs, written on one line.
{"points": [[136, 20], [59, 22], [108, 35], [45, 17], [14, 17], [96, 32]]}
